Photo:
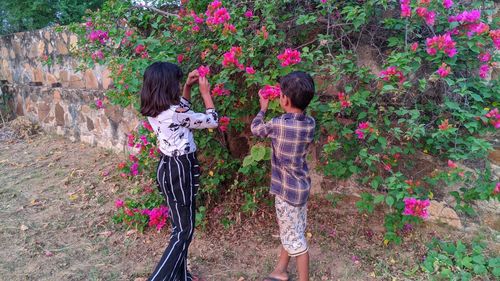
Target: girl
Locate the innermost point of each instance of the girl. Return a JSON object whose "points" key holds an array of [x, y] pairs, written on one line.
{"points": [[178, 171]]}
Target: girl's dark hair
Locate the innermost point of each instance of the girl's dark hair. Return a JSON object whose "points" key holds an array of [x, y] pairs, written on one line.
{"points": [[299, 87], [160, 88]]}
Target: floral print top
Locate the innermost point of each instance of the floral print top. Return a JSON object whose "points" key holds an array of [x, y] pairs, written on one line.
{"points": [[174, 126]]}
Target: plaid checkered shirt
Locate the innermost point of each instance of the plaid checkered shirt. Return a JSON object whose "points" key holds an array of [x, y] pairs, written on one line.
{"points": [[291, 134]]}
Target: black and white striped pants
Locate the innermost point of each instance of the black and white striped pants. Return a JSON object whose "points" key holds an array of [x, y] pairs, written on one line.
{"points": [[178, 181]]}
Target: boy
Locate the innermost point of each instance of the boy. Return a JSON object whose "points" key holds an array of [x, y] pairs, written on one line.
{"points": [[291, 134]]}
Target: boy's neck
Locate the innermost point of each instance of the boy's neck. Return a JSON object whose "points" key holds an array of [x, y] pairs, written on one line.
{"points": [[294, 110]]}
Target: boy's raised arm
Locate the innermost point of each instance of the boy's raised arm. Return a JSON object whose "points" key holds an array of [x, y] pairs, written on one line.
{"points": [[259, 127]]}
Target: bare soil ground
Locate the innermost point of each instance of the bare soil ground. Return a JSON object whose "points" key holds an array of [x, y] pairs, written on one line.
{"points": [[57, 200]]}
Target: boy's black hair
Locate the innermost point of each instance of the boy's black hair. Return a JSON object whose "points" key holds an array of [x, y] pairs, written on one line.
{"points": [[160, 88], [299, 87]]}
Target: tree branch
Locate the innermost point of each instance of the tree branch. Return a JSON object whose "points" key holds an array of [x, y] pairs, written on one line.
{"points": [[156, 10]]}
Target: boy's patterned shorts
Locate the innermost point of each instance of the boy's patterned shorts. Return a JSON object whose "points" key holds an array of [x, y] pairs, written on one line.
{"points": [[292, 221]]}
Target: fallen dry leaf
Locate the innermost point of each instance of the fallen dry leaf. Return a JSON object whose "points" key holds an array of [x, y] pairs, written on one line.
{"points": [[106, 233], [24, 227], [130, 232]]}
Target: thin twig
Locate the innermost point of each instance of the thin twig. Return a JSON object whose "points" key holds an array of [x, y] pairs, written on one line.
{"points": [[156, 10], [308, 43]]}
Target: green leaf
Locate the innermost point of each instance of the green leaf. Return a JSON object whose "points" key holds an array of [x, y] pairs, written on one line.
{"points": [[382, 141], [258, 153], [388, 87], [479, 269], [248, 161], [389, 200], [378, 199]]}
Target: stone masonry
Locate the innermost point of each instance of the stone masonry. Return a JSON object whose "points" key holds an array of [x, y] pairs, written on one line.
{"points": [[41, 71]]}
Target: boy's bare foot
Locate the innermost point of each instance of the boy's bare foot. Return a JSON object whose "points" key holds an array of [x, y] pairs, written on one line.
{"points": [[277, 276]]}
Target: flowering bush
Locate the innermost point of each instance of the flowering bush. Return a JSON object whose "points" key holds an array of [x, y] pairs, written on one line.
{"points": [[440, 99]]}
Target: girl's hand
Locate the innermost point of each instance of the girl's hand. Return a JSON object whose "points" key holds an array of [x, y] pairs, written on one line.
{"points": [[192, 78], [204, 86], [264, 103]]}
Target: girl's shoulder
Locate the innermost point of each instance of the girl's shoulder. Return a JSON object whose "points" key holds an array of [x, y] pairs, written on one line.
{"points": [[166, 114]]}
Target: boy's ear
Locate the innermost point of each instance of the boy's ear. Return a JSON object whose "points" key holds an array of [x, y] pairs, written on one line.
{"points": [[288, 101]]}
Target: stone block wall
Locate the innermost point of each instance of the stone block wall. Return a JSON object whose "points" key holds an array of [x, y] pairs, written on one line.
{"points": [[41, 72], [68, 112], [45, 57]]}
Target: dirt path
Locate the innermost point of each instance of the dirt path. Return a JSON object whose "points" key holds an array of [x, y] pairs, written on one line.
{"points": [[56, 204]]}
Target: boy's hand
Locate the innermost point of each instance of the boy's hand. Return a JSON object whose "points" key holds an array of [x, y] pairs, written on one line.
{"points": [[204, 86], [264, 103], [192, 78]]}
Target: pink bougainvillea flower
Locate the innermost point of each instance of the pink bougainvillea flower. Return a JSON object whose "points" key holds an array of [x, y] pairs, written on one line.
{"points": [[119, 203], [484, 70], [203, 71], [144, 140], [444, 125], [248, 14], [180, 58], [224, 123], [147, 126], [99, 104], [139, 49], [430, 18], [98, 35], [405, 8], [145, 55], [392, 72], [216, 14], [89, 23], [494, 117], [121, 165], [263, 32], [447, 4], [324, 1], [421, 11], [427, 15], [134, 169], [289, 57], [228, 28], [133, 158], [414, 46], [497, 189], [416, 207], [219, 90], [97, 55], [270, 92], [484, 57], [197, 19], [363, 127], [466, 17], [387, 167], [231, 58], [495, 36], [195, 28], [452, 164], [250, 70], [444, 70], [477, 28], [157, 217], [129, 32], [131, 140], [152, 153], [441, 42], [344, 100]]}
